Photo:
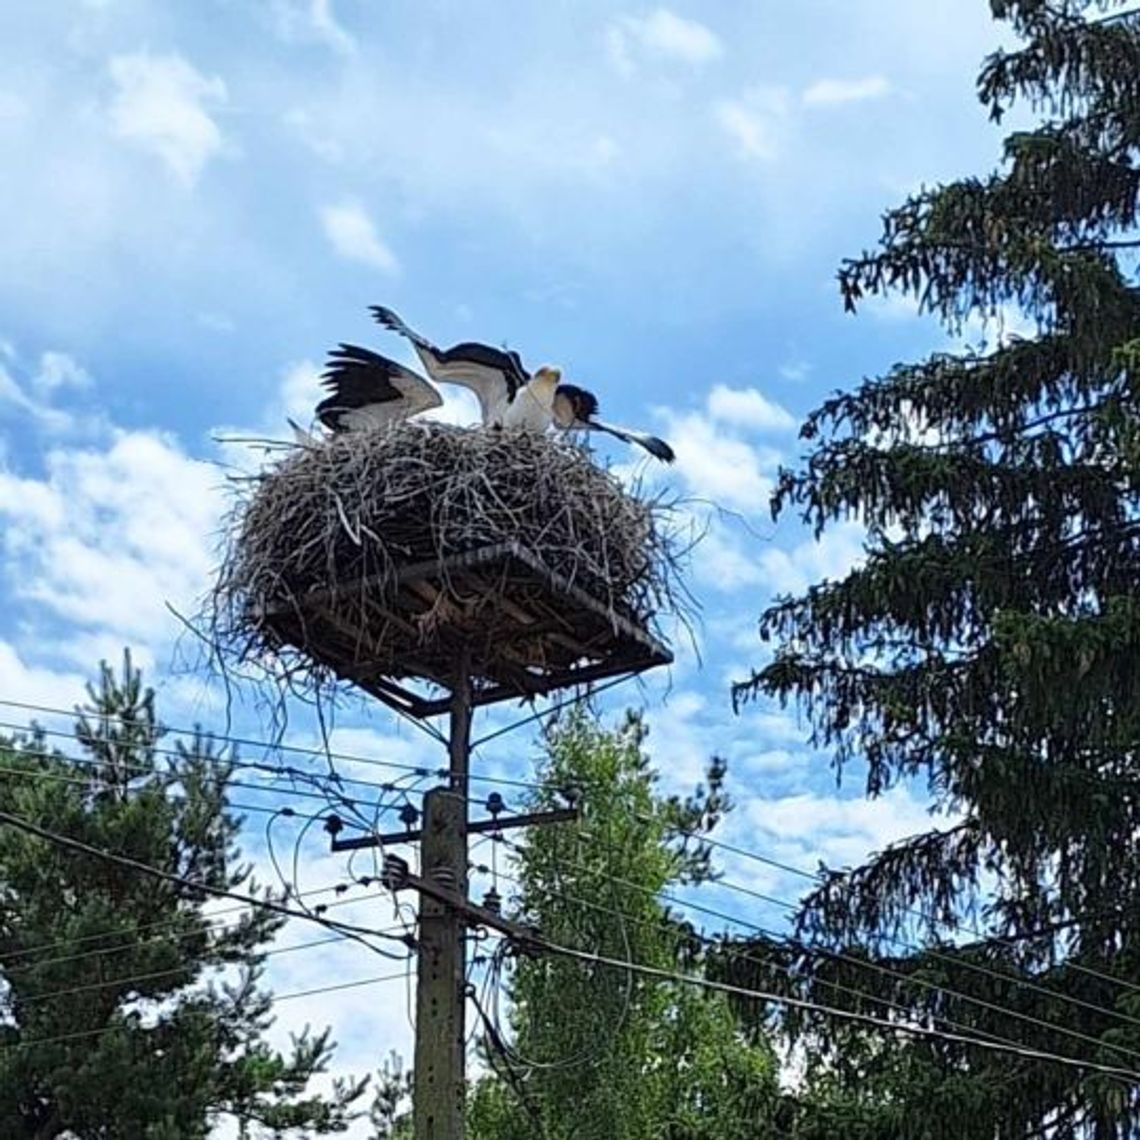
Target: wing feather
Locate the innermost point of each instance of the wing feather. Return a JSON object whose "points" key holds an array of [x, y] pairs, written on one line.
{"points": [[495, 375], [369, 390]]}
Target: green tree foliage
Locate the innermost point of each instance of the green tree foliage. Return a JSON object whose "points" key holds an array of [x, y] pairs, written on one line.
{"points": [[989, 644], [597, 1053], [117, 1024], [391, 1110]]}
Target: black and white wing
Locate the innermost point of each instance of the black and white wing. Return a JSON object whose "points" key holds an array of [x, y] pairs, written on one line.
{"points": [[575, 409], [368, 390], [495, 375]]}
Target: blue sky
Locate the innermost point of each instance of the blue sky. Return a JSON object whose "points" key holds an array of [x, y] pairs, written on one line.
{"points": [[201, 199]]}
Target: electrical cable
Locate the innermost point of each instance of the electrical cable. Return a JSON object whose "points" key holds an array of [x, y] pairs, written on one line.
{"points": [[278, 772], [848, 959], [23, 999], [253, 902], [1027, 1052], [63, 778], [551, 710], [79, 847], [276, 999], [247, 742], [1009, 940], [497, 1045], [662, 923], [157, 925], [134, 944]]}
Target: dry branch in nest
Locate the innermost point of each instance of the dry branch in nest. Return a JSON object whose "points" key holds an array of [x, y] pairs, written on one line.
{"points": [[402, 552]]}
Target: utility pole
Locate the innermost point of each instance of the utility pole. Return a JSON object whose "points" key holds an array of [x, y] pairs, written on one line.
{"points": [[439, 1070], [445, 913], [439, 1092]]}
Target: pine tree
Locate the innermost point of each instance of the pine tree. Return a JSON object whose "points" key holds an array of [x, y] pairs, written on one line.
{"points": [[989, 645], [117, 1025]]}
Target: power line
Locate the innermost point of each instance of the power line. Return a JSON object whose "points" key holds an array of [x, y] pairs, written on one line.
{"points": [[662, 923], [1006, 940], [247, 742], [835, 954], [278, 772], [911, 1029], [937, 955], [154, 975], [157, 925], [802, 947], [133, 944], [39, 773], [76, 845], [549, 711], [334, 798], [276, 999], [47, 775], [866, 964]]}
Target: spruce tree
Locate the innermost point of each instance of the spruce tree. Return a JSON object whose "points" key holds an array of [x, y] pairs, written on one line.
{"points": [[989, 645], [117, 1024]]}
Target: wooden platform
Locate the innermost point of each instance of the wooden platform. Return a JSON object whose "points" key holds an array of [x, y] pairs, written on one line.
{"points": [[525, 631]]}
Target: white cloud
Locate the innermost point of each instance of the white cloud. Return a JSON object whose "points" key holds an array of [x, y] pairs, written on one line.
{"points": [[661, 35], [12, 393], [12, 107], [748, 408], [678, 739], [606, 150], [353, 235], [106, 537], [830, 92], [325, 24], [618, 50], [722, 561], [833, 555], [728, 472], [895, 306], [755, 121], [22, 682], [809, 828], [161, 103], [460, 405], [59, 370], [299, 392], [312, 20], [215, 322], [719, 465], [53, 367], [999, 329]]}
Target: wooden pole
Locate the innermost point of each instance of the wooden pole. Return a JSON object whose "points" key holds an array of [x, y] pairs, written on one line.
{"points": [[459, 736], [440, 1080]]}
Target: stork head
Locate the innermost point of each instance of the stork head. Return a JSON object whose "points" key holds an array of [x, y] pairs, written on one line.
{"points": [[548, 376]]}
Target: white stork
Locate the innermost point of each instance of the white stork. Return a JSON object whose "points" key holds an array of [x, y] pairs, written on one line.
{"points": [[367, 390], [509, 396], [575, 409]]}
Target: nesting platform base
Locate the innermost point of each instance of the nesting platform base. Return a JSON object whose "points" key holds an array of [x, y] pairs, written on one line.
{"points": [[495, 614]]}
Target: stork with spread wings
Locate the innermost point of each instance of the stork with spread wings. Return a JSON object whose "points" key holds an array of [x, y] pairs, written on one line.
{"points": [[510, 396], [367, 390]]}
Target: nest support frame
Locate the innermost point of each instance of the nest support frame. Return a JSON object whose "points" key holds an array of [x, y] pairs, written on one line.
{"points": [[495, 619]]}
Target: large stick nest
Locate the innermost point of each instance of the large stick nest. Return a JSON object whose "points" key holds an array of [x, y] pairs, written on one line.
{"points": [[325, 556]]}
